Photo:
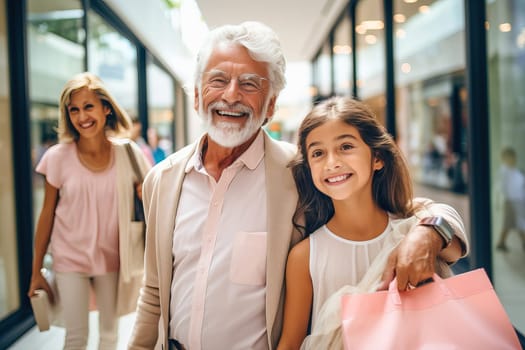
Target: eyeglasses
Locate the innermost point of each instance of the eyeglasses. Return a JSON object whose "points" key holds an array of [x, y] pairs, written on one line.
{"points": [[249, 83]]}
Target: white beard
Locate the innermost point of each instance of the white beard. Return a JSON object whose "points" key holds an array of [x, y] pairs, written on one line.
{"points": [[231, 134]]}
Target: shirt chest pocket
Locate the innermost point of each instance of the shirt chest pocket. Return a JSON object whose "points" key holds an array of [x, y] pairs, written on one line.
{"points": [[248, 261]]}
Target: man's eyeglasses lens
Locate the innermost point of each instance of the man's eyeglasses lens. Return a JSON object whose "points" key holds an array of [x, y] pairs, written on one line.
{"points": [[248, 83]]}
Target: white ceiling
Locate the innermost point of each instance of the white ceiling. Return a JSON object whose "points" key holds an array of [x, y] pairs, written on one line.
{"points": [[302, 25]]}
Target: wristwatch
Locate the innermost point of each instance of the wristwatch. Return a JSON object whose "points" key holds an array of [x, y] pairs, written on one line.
{"points": [[441, 226]]}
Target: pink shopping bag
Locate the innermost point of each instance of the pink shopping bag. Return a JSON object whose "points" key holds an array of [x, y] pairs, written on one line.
{"points": [[460, 312]]}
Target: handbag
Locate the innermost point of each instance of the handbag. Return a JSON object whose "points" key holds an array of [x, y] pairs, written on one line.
{"points": [[132, 265], [47, 314], [137, 202], [459, 312]]}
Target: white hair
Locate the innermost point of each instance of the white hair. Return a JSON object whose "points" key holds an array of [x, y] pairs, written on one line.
{"points": [[262, 44]]}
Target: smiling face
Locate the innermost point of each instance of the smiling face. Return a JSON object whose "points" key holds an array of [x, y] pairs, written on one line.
{"points": [[87, 113], [235, 99], [340, 162]]}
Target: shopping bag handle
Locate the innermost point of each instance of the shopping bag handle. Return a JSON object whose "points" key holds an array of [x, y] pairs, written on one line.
{"points": [[395, 295]]}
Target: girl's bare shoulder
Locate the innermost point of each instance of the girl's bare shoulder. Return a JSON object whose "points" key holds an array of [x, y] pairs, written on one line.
{"points": [[301, 251]]}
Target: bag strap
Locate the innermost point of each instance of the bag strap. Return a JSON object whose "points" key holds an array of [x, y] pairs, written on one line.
{"points": [[133, 161], [395, 297]]}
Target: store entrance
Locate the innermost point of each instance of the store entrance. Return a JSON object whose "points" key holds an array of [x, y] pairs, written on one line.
{"points": [[444, 149]]}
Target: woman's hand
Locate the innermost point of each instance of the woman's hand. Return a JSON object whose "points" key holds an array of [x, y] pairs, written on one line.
{"points": [[39, 282], [42, 238]]}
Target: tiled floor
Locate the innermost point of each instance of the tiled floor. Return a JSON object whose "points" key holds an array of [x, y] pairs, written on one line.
{"points": [[509, 279], [53, 339]]}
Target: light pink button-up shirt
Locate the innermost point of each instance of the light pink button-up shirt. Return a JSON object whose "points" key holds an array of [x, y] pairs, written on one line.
{"points": [[218, 289]]}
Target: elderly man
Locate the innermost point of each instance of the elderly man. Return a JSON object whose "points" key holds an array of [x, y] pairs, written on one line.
{"points": [[219, 212]]}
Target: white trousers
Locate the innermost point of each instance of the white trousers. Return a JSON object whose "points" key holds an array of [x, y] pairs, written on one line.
{"points": [[73, 290]]}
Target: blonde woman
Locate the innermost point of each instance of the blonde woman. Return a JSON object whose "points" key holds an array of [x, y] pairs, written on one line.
{"points": [[87, 212]]}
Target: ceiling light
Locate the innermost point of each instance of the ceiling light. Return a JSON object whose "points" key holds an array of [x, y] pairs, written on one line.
{"points": [[373, 24], [520, 40], [399, 18], [360, 29], [370, 39], [342, 49], [365, 26], [401, 33], [505, 27], [424, 9]]}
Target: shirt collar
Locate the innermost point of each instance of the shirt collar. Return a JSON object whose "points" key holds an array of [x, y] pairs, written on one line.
{"points": [[250, 158]]}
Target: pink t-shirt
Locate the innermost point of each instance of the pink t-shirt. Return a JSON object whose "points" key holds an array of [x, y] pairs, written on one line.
{"points": [[84, 237]]}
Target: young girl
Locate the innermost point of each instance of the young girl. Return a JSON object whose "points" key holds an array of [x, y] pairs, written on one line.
{"points": [[86, 214], [356, 197]]}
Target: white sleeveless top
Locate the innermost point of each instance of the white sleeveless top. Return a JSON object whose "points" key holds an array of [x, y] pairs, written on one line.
{"points": [[336, 262]]}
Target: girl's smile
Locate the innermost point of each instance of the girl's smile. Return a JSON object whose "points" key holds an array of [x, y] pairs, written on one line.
{"points": [[335, 180]]}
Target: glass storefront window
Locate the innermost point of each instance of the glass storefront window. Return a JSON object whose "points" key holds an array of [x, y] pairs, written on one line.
{"points": [[113, 58], [429, 63], [161, 107], [343, 57], [9, 292], [506, 74], [55, 53], [322, 76], [370, 55]]}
